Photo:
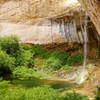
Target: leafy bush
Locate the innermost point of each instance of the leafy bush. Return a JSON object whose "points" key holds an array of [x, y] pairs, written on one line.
{"points": [[24, 72], [36, 93], [25, 46], [4, 84], [75, 59], [22, 52], [10, 44], [98, 94], [62, 56], [24, 58], [67, 68], [57, 60], [42, 93], [6, 64], [53, 63], [39, 51], [39, 62], [75, 96]]}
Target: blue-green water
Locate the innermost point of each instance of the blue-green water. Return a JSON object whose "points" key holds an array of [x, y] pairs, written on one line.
{"points": [[29, 83]]}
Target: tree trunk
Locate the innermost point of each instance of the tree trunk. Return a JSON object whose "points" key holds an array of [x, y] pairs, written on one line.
{"points": [[93, 9]]}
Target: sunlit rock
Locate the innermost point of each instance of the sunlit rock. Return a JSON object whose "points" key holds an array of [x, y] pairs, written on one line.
{"points": [[82, 76]]}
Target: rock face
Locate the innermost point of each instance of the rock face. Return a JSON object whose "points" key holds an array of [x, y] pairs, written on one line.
{"points": [[24, 10], [31, 20], [34, 34], [93, 9]]}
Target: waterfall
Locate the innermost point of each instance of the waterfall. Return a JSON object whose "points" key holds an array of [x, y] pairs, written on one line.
{"points": [[85, 42], [83, 73]]}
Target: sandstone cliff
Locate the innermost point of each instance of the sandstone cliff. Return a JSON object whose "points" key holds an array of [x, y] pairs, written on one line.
{"points": [[24, 10], [31, 20], [93, 9]]}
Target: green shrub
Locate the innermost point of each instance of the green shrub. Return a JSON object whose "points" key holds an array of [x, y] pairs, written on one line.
{"points": [[98, 94], [62, 56], [74, 96], [75, 59], [67, 68], [39, 51], [22, 52], [25, 46], [36, 93], [53, 63], [39, 62], [10, 44], [24, 58], [6, 64], [4, 84], [25, 72], [42, 93], [57, 60]]}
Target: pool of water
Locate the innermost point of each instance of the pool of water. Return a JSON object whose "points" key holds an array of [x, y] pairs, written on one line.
{"points": [[29, 83]]}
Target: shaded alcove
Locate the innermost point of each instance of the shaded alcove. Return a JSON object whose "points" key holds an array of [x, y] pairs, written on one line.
{"points": [[71, 26]]}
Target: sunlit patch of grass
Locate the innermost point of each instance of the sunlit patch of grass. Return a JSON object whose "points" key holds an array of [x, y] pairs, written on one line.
{"points": [[39, 62]]}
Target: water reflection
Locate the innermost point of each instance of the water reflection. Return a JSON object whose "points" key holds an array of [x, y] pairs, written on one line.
{"points": [[29, 83]]}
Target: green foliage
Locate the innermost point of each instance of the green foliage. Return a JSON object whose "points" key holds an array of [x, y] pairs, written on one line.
{"points": [[75, 59], [24, 58], [21, 52], [15, 59], [74, 96], [4, 84], [37, 93], [67, 68], [57, 60], [39, 51], [14, 54], [10, 44], [98, 94], [53, 63], [42, 93], [39, 62], [25, 46], [22, 72], [6, 64], [61, 56], [25, 72]]}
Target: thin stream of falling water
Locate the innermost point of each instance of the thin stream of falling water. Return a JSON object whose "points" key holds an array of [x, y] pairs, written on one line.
{"points": [[83, 73], [85, 42]]}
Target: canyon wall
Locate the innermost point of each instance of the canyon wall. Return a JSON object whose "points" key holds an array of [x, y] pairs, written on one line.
{"points": [[31, 21], [93, 9]]}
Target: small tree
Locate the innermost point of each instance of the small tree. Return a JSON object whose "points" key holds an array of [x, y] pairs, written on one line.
{"points": [[6, 65], [10, 44]]}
